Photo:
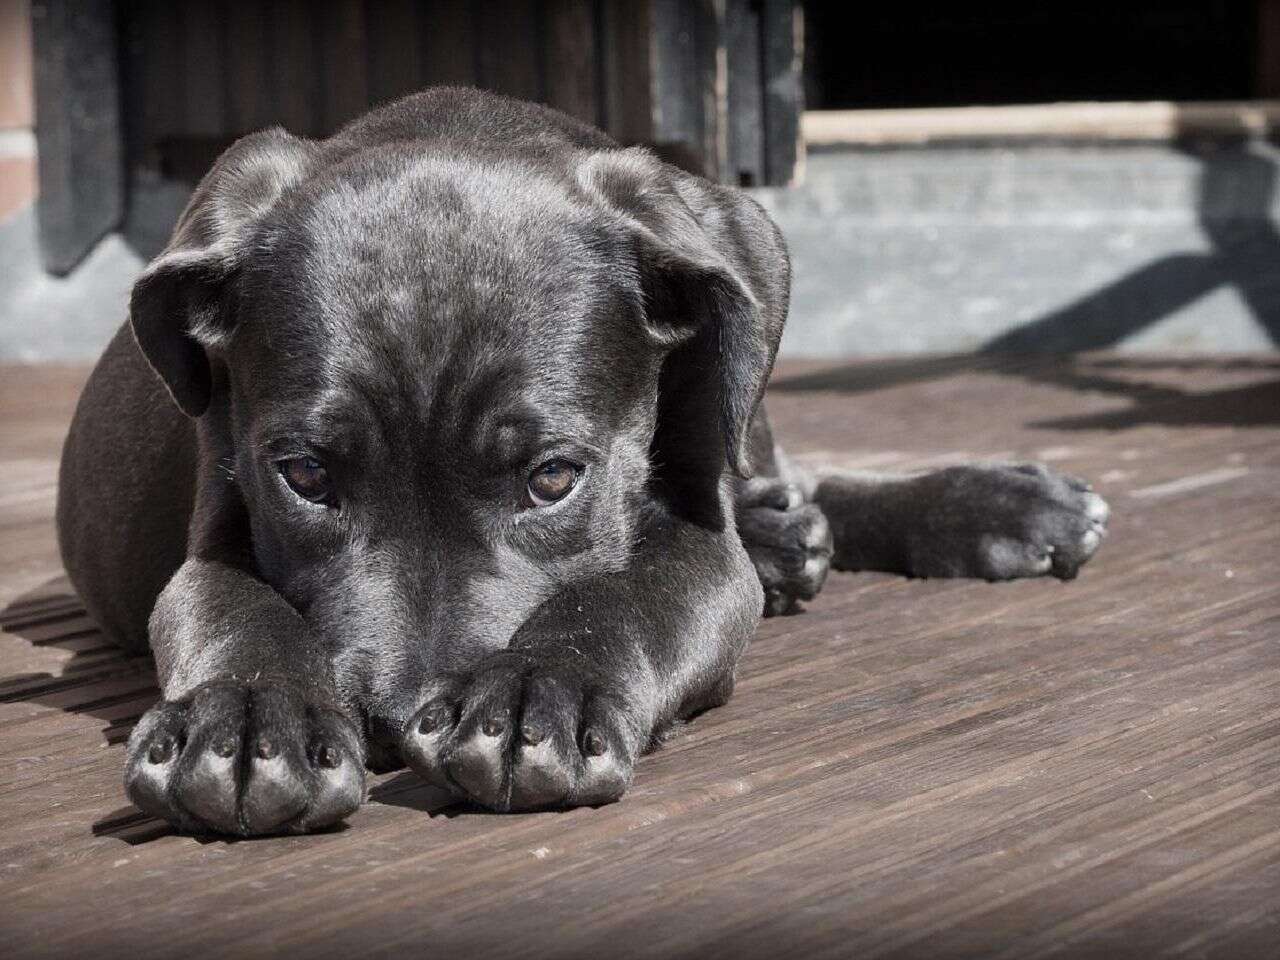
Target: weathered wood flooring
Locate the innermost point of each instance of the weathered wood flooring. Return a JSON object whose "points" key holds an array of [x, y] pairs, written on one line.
{"points": [[908, 769]]}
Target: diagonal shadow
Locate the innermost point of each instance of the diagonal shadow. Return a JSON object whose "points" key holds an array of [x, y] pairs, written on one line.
{"points": [[100, 679], [1247, 250], [1235, 193], [1118, 310], [1256, 405], [1143, 381]]}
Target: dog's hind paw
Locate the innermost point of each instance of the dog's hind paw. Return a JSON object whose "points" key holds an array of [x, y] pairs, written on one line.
{"points": [[246, 759], [1004, 521], [518, 733], [788, 540]]}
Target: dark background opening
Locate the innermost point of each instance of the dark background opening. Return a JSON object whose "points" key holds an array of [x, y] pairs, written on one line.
{"points": [[920, 54]]}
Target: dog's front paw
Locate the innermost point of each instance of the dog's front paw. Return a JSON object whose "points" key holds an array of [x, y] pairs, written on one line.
{"points": [[1004, 521], [518, 733], [788, 540], [245, 758]]}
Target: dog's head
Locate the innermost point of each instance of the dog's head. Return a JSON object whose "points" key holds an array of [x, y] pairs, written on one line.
{"points": [[445, 385]]}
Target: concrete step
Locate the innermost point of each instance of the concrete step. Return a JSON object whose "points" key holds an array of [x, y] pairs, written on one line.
{"points": [[1033, 248]]}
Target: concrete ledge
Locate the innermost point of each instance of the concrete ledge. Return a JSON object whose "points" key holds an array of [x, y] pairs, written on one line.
{"points": [[1034, 247], [1157, 121]]}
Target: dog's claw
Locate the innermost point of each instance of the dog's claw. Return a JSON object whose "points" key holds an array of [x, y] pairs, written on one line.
{"points": [[329, 757], [593, 745], [161, 750]]}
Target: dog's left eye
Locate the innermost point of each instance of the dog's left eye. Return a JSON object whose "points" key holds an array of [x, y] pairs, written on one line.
{"points": [[307, 477], [552, 481]]}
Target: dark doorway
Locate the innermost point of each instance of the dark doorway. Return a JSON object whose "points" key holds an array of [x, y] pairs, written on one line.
{"points": [[917, 53]]}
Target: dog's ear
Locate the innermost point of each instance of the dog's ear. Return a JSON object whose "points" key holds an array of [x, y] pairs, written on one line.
{"points": [[713, 277], [181, 305]]}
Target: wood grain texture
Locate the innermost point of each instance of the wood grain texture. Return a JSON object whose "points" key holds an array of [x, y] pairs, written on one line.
{"points": [[510, 48], [80, 155], [907, 769], [692, 80], [571, 60]]}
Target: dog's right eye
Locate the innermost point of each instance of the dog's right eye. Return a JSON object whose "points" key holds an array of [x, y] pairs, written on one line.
{"points": [[552, 482], [308, 478]]}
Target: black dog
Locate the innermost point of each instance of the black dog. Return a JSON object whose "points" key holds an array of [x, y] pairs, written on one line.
{"points": [[428, 443]]}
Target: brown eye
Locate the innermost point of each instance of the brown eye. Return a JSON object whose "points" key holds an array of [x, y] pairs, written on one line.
{"points": [[307, 477], [552, 481]]}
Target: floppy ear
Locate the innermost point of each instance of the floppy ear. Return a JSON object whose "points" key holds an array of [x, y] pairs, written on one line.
{"points": [[181, 305], [713, 274]]}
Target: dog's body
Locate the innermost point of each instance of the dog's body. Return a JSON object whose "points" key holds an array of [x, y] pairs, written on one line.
{"points": [[431, 442]]}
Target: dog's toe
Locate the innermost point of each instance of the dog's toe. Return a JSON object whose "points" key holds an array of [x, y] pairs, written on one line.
{"points": [[515, 737], [274, 794], [606, 751], [790, 545], [1050, 525], [1097, 510], [245, 759]]}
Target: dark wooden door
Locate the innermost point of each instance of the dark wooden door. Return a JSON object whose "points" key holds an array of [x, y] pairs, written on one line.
{"points": [[713, 85]]}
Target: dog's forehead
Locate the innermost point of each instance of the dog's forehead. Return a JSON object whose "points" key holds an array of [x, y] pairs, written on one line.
{"points": [[447, 292], [430, 243]]}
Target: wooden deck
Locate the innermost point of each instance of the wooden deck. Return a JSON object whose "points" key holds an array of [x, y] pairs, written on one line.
{"points": [[908, 769]]}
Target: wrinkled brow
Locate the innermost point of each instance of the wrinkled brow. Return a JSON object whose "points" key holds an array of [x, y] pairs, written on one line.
{"points": [[341, 428], [513, 435]]}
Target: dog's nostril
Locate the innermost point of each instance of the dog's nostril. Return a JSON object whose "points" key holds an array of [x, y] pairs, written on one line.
{"points": [[226, 747], [266, 749], [593, 744], [532, 734], [495, 725]]}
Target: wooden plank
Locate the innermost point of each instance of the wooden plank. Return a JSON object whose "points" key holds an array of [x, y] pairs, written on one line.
{"points": [[782, 33], [203, 77], [745, 163], [81, 147], [1268, 49], [571, 58], [343, 67], [153, 37], [908, 767], [251, 103], [510, 62], [628, 76], [393, 54], [295, 67], [448, 43], [689, 85]]}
